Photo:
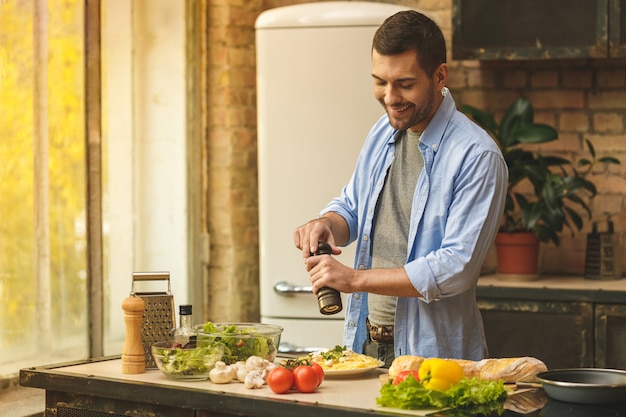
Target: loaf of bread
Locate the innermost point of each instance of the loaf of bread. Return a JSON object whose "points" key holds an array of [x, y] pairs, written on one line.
{"points": [[522, 369]]}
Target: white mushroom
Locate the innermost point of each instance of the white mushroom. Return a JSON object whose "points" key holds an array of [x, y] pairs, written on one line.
{"points": [[255, 362], [240, 370], [270, 366], [255, 379], [222, 373]]}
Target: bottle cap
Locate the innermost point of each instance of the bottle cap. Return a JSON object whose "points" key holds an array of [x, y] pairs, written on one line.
{"points": [[184, 309]]}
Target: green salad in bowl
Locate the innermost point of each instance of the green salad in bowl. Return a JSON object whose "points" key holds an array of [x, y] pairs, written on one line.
{"points": [[191, 362], [239, 341]]}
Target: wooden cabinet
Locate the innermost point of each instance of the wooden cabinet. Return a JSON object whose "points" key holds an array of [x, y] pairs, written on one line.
{"points": [[610, 336], [538, 29], [567, 323], [558, 333], [617, 28]]}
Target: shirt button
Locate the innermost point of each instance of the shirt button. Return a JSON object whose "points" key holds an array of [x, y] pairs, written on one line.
{"points": [[351, 324], [434, 146], [365, 238], [361, 266], [356, 296]]}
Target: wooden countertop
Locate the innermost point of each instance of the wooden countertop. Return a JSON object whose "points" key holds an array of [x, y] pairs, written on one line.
{"points": [[555, 282], [566, 288], [349, 396], [100, 382]]}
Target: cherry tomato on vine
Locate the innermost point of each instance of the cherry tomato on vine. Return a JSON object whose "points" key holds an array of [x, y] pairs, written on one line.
{"points": [[404, 374], [320, 372], [305, 378], [280, 380]]}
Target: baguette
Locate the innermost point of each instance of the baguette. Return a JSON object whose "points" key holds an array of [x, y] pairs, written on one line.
{"points": [[522, 369]]}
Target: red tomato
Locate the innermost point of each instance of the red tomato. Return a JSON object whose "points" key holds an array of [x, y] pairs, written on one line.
{"points": [[305, 378], [404, 374], [280, 380], [320, 372]]}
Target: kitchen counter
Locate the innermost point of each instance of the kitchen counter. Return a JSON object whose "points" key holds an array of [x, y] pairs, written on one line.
{"points": [[99, 386], [554, 288], [91, 388]]}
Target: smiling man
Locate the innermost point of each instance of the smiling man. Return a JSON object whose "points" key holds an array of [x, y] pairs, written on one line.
{"points": [[423, 206]]}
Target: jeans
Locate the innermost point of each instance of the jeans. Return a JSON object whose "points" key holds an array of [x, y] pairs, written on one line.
{"points": [[381, 350]]}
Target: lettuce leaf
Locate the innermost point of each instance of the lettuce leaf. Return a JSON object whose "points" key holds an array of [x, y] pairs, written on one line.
{"points": [[468, 397]]}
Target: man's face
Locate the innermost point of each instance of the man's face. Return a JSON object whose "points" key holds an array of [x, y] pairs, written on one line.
{"points": [[407, 93]]}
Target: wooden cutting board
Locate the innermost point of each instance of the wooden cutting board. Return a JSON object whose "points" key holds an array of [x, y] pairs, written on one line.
{"points": [[514, 391]]}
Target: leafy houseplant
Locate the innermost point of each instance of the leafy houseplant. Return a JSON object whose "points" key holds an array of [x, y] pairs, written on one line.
{"points": [[558, 184], [560, 187]]}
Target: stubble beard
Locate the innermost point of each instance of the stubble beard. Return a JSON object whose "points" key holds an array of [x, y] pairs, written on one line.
{"points": [[421, 113]]}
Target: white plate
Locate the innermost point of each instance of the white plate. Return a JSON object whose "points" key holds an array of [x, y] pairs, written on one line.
{"points": [[331, 373]]}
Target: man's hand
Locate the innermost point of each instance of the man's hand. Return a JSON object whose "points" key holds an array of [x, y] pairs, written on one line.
{"points": [[306, 236]]}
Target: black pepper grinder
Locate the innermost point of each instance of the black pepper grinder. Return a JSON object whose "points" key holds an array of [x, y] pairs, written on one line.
{"points": [[328, 299]]}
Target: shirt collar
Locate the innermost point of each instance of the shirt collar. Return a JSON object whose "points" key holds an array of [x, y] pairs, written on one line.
{"points": [[434, 132]]}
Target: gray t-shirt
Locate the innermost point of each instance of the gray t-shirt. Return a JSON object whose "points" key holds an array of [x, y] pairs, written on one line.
{"points": [[393, 217]]}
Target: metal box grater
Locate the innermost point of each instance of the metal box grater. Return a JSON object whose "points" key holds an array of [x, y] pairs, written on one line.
{"points": [[158, 316], [602, 258]]}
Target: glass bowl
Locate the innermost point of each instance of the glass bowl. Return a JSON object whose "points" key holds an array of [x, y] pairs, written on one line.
{"points": [[189, 363], [241, 340]]}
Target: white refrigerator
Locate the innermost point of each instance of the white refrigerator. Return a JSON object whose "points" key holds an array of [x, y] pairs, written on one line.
{"points": [[315, 106]]}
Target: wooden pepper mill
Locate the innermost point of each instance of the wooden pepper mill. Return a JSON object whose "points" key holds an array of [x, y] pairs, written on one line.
{"points": [[133, 354]]}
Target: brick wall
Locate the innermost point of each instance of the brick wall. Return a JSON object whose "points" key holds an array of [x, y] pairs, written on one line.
{"points": [[230, 184], [583, 99]]}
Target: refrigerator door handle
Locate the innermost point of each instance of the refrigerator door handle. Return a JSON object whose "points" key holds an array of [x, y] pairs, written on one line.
{"points": [[286, 289]]}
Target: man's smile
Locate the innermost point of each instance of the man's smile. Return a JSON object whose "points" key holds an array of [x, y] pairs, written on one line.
{"points": [[399, 109]]}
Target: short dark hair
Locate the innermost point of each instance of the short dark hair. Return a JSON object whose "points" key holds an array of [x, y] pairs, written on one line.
{"points": [[411, 30]]}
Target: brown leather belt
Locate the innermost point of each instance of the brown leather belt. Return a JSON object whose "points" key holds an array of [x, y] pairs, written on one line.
{"points": [[380, 333]]}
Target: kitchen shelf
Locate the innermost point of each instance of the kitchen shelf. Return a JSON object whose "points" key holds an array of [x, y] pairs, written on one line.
{"points": [[536, 29]]}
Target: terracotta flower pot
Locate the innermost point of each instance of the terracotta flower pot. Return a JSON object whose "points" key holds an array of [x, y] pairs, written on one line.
{"points": [[518, 255]]}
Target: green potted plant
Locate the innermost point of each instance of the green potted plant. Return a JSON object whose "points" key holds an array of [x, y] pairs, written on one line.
{"points": [[560, 187]]}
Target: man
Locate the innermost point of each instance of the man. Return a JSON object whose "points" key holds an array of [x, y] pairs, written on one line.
{"points": [[423, 204]]}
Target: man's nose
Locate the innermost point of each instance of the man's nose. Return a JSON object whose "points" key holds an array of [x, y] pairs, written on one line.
{"points": [[391, 96]]}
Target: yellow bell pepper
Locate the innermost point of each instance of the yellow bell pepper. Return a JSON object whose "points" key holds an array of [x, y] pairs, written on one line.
{"points": [[440, 374]]}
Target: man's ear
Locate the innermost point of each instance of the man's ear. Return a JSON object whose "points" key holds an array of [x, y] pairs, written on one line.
{"points": [[441, 76]]}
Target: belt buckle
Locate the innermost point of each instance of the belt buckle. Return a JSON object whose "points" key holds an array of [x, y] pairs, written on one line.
{"points": [[380, 333]]}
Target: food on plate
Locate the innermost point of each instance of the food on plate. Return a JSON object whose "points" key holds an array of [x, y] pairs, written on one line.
{"points": [[340, 359], [440, 374], [521, 369]]}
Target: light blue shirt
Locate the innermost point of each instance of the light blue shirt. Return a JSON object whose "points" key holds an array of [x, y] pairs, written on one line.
{"points": [[457, 206]]}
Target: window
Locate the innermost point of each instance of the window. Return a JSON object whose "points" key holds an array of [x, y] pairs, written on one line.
{"points": [[43, 257]]}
